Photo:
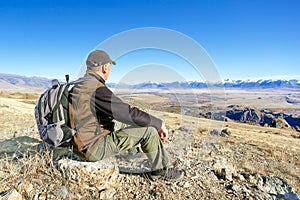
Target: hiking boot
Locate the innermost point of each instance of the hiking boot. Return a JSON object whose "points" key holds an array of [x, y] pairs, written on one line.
{"points": [[167, 174]]}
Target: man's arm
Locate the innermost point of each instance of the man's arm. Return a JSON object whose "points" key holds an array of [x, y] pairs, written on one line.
{"points": [[106, 102]]}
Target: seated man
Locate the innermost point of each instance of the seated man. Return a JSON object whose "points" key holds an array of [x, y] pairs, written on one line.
{"points": [[94, 111]]}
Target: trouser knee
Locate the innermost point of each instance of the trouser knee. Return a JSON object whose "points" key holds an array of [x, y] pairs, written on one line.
{"points": [[152, 141], [152, 131]]}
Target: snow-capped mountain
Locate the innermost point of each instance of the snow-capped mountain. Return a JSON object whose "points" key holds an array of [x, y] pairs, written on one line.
{"points": [[17, 81], [268, 83], [250, 84]]}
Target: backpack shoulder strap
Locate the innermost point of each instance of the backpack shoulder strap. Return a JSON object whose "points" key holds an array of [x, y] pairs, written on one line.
{"points": [[71, 116], [61, 89]]}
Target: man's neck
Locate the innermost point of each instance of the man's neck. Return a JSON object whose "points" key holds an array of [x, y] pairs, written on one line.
{"points": [[91, 73]]}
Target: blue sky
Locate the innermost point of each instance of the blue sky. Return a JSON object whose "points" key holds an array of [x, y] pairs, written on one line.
{"points": [[245, 39]]}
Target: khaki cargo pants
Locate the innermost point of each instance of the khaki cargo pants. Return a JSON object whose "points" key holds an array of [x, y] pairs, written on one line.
{"points": [[129, 138]]}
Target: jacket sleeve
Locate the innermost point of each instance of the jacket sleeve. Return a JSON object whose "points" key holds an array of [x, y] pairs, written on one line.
{"points": [[107, 103]]}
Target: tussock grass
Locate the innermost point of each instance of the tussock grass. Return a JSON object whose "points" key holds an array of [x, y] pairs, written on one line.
{"points": [[35, 174], [28, 166]]}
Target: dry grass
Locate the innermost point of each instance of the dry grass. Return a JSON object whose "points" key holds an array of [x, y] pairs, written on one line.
{"points": [[34, 174], [267, 151], [32, 168], [28, 165]]}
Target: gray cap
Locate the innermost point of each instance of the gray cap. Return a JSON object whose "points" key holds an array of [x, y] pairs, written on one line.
{"points": [[97, 58]]}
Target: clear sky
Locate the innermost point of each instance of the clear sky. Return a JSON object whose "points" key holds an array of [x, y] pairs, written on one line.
{"points": [[245, 39]]}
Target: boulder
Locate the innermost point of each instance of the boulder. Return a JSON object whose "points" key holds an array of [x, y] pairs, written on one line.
{"points": [[101, 175]]}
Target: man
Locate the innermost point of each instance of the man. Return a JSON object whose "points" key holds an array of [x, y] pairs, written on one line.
{"points": [[95, 109]]}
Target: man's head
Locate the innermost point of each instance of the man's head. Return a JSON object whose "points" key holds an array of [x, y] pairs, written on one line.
{"points": [[99, 61]]}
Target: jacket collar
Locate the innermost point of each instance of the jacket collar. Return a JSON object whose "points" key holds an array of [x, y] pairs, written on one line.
{"points": [[92, 74]]}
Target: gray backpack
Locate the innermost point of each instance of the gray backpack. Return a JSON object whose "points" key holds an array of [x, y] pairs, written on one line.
{"points": [[52, 113]]}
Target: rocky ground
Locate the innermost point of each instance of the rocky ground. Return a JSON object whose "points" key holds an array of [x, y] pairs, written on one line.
{"points": [[217, 165], [221, 161]]}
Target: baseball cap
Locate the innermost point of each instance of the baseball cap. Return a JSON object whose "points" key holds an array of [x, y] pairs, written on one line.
{"points": [[97, 58]]}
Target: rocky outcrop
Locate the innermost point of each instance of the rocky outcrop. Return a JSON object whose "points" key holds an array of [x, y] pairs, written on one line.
{"points": [[32, 158], [255, 186], [243, 114], [262, 117]]}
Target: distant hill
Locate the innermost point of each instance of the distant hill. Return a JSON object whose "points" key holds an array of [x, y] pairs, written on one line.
{"points": [[11, 81], [18, 82]]}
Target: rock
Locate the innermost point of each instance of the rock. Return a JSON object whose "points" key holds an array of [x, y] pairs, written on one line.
{"points": [[238, 176], [58, 152], [101, 175], [234, 187], [222, 169], [256, 186], [255, 179], [108, 193], [3, 105], [246, 192], [214, 132], [27, 188], [277, 186], [225, 132], [182, 129], [61, 192], [279, 123], [11, 194], [186, 185], [293, 121], [270, 187], [42, 196], [19, 144], [287, 196]]}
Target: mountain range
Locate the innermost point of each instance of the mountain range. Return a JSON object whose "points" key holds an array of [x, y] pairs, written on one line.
{"points": [[11, 81], [16, 82], [246, 84]]}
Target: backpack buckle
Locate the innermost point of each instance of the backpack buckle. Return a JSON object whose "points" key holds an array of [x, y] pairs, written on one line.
{"points": [[55, 83]]}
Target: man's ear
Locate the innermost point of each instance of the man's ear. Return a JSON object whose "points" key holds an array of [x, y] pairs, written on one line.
{"points": [[104, 68]]}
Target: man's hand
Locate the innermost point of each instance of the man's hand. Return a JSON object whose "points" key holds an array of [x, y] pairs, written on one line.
{"points": [[163, 133]]}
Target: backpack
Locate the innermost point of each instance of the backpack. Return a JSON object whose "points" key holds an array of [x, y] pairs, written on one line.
{"points": [[52, 113]]}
